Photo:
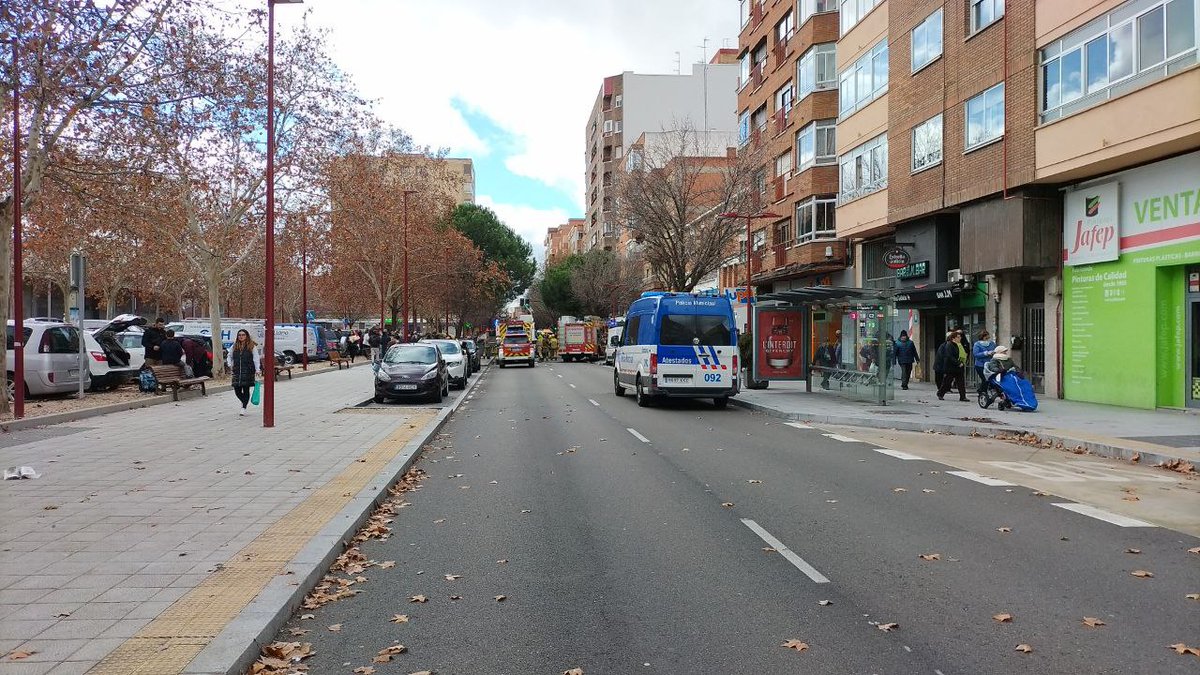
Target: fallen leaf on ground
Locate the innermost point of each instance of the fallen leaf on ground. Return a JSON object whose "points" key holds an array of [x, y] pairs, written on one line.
{"points": [[1192, 596], [1142, 574], [1003, 618], [452, 577], [1194, 550], [526, 511], [501, 598], [394, 649], [456, 597], [830, 501], [364, 670], [728, 505], [824, 603], [335, 628], [928, 491], [1092, 622], [17, 655], [573, 671], [308, 616], [1025, 649], [1005, 530], [387, 564], [297, 632], [399, 618], [930, 556], [1131, 498], [754, 481], [899, 489], [418, 598], [439, 521], [502, 562], [422, 672], [795, 644], [1134, 551], [888, 627], [1181, 648], [769, 549], [1039, 493]]}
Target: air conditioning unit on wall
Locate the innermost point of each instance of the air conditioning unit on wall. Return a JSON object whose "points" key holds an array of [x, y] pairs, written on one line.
{"points": [[954, 276]]}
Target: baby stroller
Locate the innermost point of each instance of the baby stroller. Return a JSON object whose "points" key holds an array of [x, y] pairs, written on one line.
{"points": [[1008, 390]]}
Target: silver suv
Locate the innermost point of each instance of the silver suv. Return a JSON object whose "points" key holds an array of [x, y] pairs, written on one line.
{"points": [[51, 357]]}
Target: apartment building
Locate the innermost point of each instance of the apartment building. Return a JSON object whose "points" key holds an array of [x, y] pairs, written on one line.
{"points": [[564, 240], [787, 119], [631, 104], [466, 167]]}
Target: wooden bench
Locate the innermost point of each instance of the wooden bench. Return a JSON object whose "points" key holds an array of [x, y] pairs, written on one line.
{"points": [[336, 358], [171, 377], [283, 369]]}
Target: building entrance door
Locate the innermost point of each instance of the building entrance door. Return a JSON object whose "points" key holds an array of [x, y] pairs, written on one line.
{"points": [[1034, 356], [1193, 352]]}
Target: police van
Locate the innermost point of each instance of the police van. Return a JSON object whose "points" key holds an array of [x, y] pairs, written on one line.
{"points": [[678, 345]]}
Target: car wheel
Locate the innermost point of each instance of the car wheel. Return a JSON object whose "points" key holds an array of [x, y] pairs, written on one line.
{"points": [[643, 399], [289, 358], [721, 402], [617, 388]]}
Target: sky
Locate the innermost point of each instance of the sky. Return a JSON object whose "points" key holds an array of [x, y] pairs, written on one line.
{"points": [[510, 83]]}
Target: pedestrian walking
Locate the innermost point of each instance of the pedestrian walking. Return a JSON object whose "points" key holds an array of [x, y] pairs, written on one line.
{"points": [[376, 342], [983, 350], [906, 356], [826, 360], [152, 337], [245, 360], [951, 359], [170, 350]]}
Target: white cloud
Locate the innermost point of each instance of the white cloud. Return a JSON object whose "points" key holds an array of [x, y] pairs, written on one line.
{"points": [[528, 222], [532, 66]]}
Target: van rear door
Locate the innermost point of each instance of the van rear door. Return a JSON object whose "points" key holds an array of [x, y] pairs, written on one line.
{"points": [[696, 352]]}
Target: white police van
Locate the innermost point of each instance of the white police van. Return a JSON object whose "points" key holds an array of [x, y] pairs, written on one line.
{"points": [[678, 345]]}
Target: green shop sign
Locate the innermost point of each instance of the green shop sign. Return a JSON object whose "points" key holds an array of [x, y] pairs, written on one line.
{"points": [[914, 270]]}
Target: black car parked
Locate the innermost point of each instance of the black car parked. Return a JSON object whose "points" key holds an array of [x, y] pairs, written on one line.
{"points": [[412, 371], [474, 356]]}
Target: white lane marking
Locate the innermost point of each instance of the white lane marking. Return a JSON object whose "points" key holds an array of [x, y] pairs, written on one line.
{"points": [[570, 385], [797, 425], [991, 482], [839, 437], [637, 435], [593, 403], [1077, 472], [1106, 516], [898, 454], [786, 552]]}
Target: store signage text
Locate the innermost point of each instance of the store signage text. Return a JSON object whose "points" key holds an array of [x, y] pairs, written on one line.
{"points": [[1090, 232], [915, 270], [1166, 207], [896, 258]]}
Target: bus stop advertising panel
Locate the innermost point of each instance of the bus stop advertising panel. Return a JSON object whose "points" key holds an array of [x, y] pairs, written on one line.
{"points": [[779, 335]]}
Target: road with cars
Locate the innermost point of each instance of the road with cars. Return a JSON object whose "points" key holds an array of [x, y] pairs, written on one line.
{"points": [[562, 527]]}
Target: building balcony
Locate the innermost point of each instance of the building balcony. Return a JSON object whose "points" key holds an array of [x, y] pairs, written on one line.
{"points": [[779, 188], [781, 120], [757, 14], [792, 260], [758, 74]]}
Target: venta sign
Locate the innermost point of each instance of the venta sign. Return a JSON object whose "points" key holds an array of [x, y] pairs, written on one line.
{"points": [[1090, 230]]}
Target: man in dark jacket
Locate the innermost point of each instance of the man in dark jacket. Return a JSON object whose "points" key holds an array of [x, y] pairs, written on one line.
{"points": [[197, 357], [152, 338], [949, 361], [906, 356], [171, 350]]}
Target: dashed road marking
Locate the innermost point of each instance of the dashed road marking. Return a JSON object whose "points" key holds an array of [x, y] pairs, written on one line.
{"points": [[810, 571], [1106, 516], [839, 437], [1078, 472], [991, 482], [593, 402], [797, 425], [898, 454], [637, 435]]}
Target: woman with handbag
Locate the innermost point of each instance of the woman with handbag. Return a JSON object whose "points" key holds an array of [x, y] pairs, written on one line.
{"points": [[245, 360]]}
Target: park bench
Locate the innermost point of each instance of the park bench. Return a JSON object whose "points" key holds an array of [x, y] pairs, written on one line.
{"points": [[336, 358], [283, 369], [171, 377]]}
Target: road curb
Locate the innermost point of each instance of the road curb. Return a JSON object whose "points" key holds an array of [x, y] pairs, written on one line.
{"points": [[236, 648], [1148, 453], [85, 413]]}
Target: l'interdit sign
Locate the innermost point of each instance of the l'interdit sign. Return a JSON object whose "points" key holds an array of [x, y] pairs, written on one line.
{"points": [[1128, 241]]}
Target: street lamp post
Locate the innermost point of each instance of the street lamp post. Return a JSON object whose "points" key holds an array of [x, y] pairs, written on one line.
{"points": [[18, 278], [404, 312], [269, 329], [304, 290]]}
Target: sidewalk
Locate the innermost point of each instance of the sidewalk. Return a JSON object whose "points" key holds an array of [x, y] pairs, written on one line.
{"points": [[150, 531], [1108, 431]]}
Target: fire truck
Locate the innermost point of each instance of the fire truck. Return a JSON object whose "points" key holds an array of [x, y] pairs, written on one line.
{"points": [[516, 341], [578, 339]]}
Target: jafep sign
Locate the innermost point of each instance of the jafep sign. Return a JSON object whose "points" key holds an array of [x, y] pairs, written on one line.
{"points": [[1091, 231]]}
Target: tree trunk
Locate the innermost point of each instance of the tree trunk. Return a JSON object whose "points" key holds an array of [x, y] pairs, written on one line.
{"points": [[6, 235], [213, 279]]}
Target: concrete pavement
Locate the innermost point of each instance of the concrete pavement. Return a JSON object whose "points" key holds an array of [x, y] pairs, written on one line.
{"points": [[150, 532], [1108, 431]]}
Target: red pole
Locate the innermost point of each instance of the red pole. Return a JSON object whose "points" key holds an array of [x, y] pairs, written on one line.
{"points": [[749, 292], [18, 280], [269, 337], [404, 313], [304, 289]]}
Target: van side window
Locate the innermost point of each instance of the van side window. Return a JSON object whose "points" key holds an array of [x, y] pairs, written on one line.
{"points": [[12, 330], [61, 340], [631, 330]]}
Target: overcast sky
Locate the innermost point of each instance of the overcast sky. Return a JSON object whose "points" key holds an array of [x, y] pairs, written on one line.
{"points": [[510, 83]]}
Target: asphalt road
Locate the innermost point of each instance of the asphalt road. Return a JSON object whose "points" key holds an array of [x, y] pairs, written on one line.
{"points": [[625, 556]]}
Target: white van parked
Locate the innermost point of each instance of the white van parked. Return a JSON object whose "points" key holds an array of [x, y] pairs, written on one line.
{"points": [[289, 340], [51, 357]]}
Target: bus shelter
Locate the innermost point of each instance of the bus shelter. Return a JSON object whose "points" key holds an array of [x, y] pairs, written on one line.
{"points": [[835, 339]]}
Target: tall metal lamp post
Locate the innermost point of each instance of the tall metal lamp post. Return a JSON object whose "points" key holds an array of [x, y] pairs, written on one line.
{"points": [[18, 277], [404, 313], [749, 218], [269, 329], [304, 288]]}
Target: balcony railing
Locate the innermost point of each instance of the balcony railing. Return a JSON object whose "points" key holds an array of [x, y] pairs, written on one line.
{"points": [[780, 52], [757, 12], [758, 74], [781, 120], [780, 254], [780, 187]]}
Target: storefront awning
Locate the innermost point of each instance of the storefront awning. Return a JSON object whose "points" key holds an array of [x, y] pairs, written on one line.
{"points": [[930, 295], [815, 295]]}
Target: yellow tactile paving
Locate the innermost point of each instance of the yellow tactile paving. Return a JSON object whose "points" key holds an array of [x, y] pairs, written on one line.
{"points": [[170, 642]]}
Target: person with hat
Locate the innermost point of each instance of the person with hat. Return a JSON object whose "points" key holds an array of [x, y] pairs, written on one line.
{"points": [[1000, 363], [950, 359], [906, 356]]}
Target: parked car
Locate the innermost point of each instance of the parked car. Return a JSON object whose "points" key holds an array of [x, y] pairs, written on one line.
{"points": [[122, 367], [456, 361], [51, 357], [475, 356], [131, 340], [412, 371]]}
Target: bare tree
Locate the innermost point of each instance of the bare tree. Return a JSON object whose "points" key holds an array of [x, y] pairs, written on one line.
{"points": [[605, 283], [670, 197]]}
